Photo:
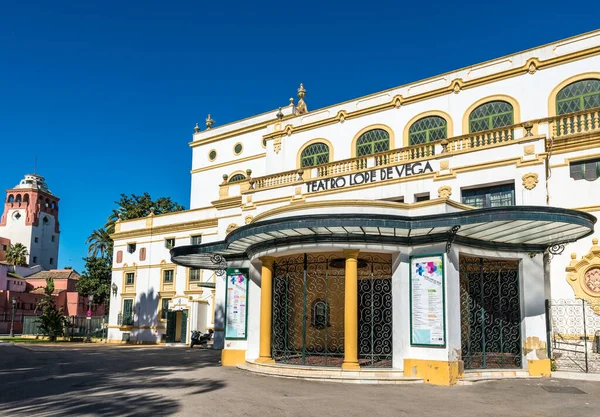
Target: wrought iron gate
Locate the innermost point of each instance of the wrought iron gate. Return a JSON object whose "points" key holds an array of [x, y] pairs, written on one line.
{"points": [[375, 311], [575, 336], [308, 310], [490, 313]]}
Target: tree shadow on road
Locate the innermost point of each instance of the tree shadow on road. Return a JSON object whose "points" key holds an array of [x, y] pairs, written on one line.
{"points": [[106, 382]]}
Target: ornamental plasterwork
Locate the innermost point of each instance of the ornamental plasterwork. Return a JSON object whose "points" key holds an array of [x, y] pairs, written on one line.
{"points": [[584, 276], [231, 227], [530, 180], [249, 219], [445, 191], [277, 145]]}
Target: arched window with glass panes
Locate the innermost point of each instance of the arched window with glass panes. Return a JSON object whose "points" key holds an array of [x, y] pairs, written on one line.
{"points": [[373, 141], [237, 178], [314, 154], [427, 129], [577, 96], [491, 115]]}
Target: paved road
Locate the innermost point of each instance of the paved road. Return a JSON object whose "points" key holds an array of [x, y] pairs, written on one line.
{"points": [[100, 380]]}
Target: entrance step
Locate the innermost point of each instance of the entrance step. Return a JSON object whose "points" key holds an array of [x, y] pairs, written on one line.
{"points": [[482, 375], [325, 374]]}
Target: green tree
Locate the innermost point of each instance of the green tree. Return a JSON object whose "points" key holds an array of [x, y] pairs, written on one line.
{"points": [[136, 206], [52, 323], [96, 279], [99, 243], [17, 254]]}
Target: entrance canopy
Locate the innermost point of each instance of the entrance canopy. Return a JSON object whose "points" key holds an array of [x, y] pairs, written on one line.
{"points": [[513, 228]]}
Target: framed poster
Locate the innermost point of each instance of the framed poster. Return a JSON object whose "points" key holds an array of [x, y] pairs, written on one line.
{"points": [[236, 304], [427, 301]]}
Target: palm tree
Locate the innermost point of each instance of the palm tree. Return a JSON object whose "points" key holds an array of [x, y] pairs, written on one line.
{"points": [[99, 242], [17, 254]]}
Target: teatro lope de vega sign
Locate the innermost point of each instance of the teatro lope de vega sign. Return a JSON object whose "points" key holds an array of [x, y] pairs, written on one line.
{"points": [[374, 175]]}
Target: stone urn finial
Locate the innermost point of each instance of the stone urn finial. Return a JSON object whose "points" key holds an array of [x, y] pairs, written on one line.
{"points": [[209, 122]]}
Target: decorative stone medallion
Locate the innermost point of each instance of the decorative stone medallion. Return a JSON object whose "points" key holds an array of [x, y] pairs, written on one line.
{"points": [[530, 180], [592, 280], [583, 275], [445, 191]]}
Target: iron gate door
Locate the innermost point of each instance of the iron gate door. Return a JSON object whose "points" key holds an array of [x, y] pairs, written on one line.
{"points": [[308, 310], [490, 313], [375, 311]]}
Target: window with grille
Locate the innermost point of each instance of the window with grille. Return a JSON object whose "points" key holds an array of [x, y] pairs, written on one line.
{"points": [[237, 178], [427, 129], [320, 314], [169, 243], [580, 95], [196, 240], [496, 196], [492, 115], [585, 170], [129, 278], [164, 308], [168, 276], [373, 141], [315, 154], [195, 274]]}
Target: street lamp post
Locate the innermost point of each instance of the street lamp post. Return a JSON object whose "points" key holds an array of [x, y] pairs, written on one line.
{"points": [[89, 318], [12, 318]]}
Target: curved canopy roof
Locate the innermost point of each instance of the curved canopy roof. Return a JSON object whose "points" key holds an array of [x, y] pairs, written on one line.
{"points": [[514, 228]]}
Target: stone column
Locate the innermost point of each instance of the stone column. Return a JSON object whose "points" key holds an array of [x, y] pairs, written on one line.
{"points": [[266, 309], [351, 311]]}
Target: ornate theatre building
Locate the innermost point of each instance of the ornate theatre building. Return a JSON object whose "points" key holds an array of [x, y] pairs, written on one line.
{"points": [[416, 232]]}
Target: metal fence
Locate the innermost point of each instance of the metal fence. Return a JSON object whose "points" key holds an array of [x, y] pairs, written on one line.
{"points": [[77, 326], [575, 335]]}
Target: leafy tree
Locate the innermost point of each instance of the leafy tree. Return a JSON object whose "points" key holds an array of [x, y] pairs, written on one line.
{"points": [[96, 279], [51, 323], [136, 206], [99, 242], [17, 254]]}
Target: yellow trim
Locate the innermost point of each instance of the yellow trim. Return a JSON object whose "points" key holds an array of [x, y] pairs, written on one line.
{"points": [[216, 155], [227, 203], [371, 127], [496, 97], [169, 286], [224, 164], [312, 142], [170, 228], [563, 84], [233, 357], [439, 113], [588, 209], [444, 373], [240, 152]]}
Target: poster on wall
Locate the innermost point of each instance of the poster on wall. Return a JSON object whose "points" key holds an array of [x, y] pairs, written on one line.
{"points": [[236, 304], [427, 317]]}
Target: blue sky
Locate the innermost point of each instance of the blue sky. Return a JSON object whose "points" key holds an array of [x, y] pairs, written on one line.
{"points": [[107, 93]]}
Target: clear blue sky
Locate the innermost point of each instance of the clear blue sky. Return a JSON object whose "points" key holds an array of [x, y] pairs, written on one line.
{"points": [[107, 93]]}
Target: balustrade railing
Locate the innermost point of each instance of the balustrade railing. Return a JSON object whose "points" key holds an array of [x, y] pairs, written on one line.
{"points": [[587, 121], [125, 319]]}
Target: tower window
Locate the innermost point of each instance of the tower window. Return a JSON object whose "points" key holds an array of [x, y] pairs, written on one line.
{"points": [[170, 243], [35, 239], [53, 238], [45, 220], [35, 259], [131, 247], [51, 261], [129, 278]]}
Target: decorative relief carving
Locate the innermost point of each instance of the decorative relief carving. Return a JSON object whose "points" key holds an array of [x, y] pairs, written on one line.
{"points": [[249, 219], [529, 150], [530, 180], [445, 191], [532, 68], [584, 275], [231, 227], [444, 165], [277, 144]]}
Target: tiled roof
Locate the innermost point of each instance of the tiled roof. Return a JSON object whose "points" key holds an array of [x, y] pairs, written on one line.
{"points": [[55, 274]]}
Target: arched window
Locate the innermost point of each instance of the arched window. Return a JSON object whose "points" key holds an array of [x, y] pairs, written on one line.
{"points": [[53, 205], [11, 198], [580, 95], [26, 198], [427, 129], [18, 198], [237, 177], [492, 115], [315, 154], [373, 141]]}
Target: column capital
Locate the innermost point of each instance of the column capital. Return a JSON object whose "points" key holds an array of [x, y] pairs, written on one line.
{"points": [[267, 261], [351, 253]]}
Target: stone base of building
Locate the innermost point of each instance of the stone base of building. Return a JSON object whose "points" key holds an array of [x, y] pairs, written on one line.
{"points": [[233, 357], [434, 372]]}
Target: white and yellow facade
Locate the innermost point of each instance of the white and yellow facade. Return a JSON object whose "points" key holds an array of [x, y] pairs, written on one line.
{"points": [[516, 139]]}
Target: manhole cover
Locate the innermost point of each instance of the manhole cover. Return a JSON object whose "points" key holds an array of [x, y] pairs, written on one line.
{"points": [[562, 390]]}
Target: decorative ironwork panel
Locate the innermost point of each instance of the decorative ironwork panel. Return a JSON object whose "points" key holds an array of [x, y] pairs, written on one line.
{"points": [[490, 313], [375, 311], [373, 141], [575, 335], [308, 311], [580, 95], [427, 129], [315, 154], [492, 115]]}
